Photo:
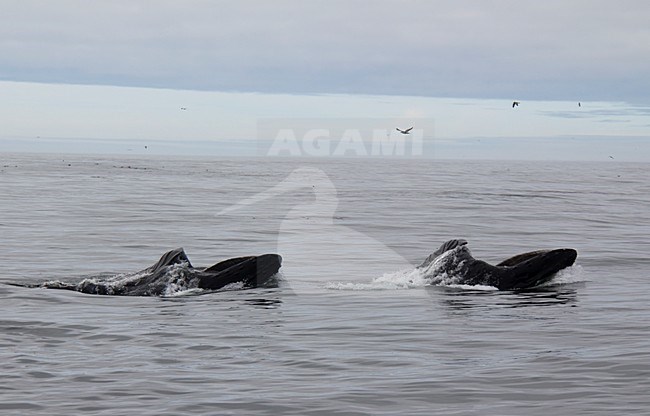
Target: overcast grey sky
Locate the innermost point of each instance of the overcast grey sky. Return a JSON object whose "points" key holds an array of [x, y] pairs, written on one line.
{"points": [[574, 50], [535, 51]]}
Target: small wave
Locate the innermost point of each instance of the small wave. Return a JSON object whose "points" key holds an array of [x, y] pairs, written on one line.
{"points": [[184, 292], [233, 286], [472, 287]]}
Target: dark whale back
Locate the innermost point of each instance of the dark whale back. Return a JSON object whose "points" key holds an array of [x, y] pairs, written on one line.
{"points": [[534, 268], [226, 264], [174, 272], [252, 271], [522, 271], [514, 260]]}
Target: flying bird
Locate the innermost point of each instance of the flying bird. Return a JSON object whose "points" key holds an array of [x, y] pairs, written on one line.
{"points": [[183, 108], [579, 105], [515, 104], [407, 131]]}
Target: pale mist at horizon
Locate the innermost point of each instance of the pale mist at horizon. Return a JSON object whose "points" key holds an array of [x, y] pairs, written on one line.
{"points": [[200, 78]]}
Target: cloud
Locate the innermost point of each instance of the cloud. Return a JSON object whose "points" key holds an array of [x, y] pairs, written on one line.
{"points": [[613, 111], [532, 50]]}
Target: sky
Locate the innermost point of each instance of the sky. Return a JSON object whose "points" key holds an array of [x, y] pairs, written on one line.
{"points": [[207, 76]]}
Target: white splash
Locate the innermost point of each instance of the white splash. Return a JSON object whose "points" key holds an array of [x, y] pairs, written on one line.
{"points": [[446, 269], [573, 274], [178, 280], [403, 279]]}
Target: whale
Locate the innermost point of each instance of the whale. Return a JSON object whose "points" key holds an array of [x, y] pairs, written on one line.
{"points": [[452, 263], [174, 273]]}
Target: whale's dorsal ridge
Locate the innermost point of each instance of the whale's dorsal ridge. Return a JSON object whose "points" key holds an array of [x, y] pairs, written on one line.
{"points": [[175, 256], [450, 245], [446, 246]]}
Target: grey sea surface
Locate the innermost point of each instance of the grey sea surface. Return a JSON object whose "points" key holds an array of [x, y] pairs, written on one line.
{"points": [[351, 329]]}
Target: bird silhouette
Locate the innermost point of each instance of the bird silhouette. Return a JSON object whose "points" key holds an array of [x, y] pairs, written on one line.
{"points": [[314, 249], [515, 104], [407, 131]]}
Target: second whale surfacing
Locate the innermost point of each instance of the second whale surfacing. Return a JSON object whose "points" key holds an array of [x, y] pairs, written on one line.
{"points": [[453, 263], [174, 273]]}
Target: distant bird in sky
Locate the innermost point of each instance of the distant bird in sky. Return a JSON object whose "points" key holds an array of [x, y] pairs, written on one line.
{"points": [[183, 108], [579, 105], [515, 104], [407, 131], [611, 157]]}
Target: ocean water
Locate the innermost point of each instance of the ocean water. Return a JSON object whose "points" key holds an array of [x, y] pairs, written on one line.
{"points": [[350, 329]]}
